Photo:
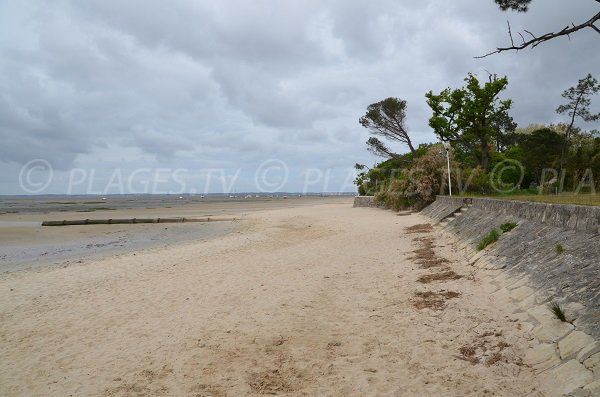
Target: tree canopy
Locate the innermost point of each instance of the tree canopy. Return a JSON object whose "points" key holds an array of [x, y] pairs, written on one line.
{"points": [[387, 119], [539, 150], [516, 5], [578, 97], [578, 105], [471, 117]]}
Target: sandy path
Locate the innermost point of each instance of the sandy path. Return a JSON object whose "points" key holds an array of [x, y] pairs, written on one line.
{"points": [[305, 301]]}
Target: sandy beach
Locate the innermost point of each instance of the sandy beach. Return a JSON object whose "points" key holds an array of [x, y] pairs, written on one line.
{"points": [[320, 299]]}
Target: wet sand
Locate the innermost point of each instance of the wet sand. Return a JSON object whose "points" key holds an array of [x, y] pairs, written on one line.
{"points": [[322, 300], [25, 244]]}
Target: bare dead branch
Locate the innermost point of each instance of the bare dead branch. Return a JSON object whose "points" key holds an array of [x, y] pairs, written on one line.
{"points": [[531, 34], [537, 40], [510, 33]]}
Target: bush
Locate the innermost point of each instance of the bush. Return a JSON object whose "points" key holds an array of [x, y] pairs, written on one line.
{"points": [[392, 196], [362, 191], [417, 186], [474, 180], [490, 238], [558, 248], [507, 227]]}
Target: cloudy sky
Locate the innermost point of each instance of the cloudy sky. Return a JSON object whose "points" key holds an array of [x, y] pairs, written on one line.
{"points": [[217, 95]]}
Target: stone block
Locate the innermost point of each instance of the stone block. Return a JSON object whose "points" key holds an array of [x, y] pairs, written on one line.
{"points": [[565, 378], [593, 388], [527, 303], [551, 332], [540, 313], [521, 317], [593, 363], [588, 351], [493, 264], [573, 344], [526, 328], [546, 365], [473, 259], [518, 283], [588, 219], [502, 280], [521, 293], [572, 310], [540, 354]]}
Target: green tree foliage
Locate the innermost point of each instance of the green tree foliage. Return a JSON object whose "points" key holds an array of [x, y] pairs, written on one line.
{"points": [[537, 151], [372, 180], [490, 155], [504, 131], [416, 186], [582, 165], [387, 119], [472, 117], [578, 105], [379, 148]]}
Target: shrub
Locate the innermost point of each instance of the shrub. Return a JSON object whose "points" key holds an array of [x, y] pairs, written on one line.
{"points": [[507, 227], [558, 311], [362, 191], [558, 248], [392, 196], [417, 186], [490, 238], [474, 180]]}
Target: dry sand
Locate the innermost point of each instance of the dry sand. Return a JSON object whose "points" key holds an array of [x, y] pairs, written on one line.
{"points": [[316, 300]]}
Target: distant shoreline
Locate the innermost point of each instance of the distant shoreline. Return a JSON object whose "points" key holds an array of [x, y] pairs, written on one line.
{"points": [[28, 245], [89, 204]]}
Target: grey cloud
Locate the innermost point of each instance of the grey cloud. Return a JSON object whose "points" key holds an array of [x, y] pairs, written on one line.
{"points": [[230, 84]]}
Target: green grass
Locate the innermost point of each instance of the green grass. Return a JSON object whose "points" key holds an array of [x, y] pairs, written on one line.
{"points": [[579, 199], [507, 227], [490, 238], [494, 235]]}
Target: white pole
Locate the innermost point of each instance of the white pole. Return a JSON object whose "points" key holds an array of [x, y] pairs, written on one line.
{"points": [[447, 146], [449, 180]]}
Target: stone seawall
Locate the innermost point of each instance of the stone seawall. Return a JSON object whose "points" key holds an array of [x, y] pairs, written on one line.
{"points": [[444, 207], [574, 217], [552, 256], [365, 201]]}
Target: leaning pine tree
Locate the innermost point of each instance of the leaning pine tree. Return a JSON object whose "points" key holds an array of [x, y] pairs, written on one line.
{"points": [[387, 119]]}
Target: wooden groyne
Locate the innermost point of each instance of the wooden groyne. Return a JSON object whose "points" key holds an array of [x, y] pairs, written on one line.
{"points": [[131, 221]]}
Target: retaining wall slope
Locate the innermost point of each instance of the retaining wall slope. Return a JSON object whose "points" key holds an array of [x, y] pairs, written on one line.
{"points": [[529, 254]]}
